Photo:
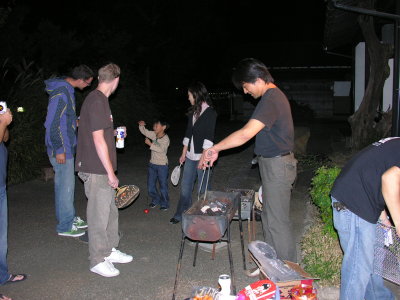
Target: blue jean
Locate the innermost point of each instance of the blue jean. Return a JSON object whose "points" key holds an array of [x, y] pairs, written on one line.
{"points": [[158, 173], [64, 188], [357, 238], [190, 174], [4, 275]]}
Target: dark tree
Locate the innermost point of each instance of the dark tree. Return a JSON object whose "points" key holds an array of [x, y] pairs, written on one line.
{"points": [[368, 123]]}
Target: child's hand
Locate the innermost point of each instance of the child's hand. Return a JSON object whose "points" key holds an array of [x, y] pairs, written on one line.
{"points": [[142, 123], [148, 141]]}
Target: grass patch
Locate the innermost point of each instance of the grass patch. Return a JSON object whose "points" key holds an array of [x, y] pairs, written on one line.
{"points": [[321, 253]]}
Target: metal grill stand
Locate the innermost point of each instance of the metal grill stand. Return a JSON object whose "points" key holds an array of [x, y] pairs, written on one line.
{"points": [[225, 219]]}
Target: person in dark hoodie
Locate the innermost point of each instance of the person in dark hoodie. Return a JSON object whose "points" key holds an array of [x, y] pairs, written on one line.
{"points": [[60, 138]]}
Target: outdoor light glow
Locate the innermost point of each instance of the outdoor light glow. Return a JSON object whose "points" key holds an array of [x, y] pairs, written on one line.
{"points": [[20, 109]]}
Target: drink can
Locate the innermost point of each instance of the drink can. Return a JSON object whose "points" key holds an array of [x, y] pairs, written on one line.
{"points": [[3, 107], [120, 137], [224, 281]]}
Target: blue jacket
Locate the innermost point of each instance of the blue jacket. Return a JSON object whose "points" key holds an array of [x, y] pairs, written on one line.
{"points": [[61, 118]]}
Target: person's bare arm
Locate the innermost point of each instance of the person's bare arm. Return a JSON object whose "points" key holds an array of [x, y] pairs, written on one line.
{"points": [[183, 155], [240, 136], [235, 139], [5, 120], [391, 194], [102, 152], [6, 135]]}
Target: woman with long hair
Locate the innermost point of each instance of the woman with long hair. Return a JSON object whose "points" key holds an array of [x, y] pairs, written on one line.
{"points": [[199, 136]]}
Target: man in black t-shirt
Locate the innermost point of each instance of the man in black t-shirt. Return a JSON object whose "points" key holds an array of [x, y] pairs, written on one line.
{"points": [[272, 125], [96, 163], [368, 183]]}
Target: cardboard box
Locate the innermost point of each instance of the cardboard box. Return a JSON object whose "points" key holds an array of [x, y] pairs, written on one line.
{"points": [[286, 286]]}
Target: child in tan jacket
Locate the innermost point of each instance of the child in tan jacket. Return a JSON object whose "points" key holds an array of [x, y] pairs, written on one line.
{"points": [[158, 141]]}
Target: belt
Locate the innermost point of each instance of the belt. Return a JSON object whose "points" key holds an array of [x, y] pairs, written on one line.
{"points": [[339, 206], [280, 155]]}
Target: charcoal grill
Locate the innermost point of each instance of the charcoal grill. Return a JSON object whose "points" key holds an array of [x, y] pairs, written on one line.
{"points": [[208, 220]]}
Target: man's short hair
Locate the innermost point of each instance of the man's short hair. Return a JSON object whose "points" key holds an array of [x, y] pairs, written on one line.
{"points": [[249, 70], [109, 72], [81, 72]]}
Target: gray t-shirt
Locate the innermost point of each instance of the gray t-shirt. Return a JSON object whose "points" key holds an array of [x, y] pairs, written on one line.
{"points": [[277, 136]]}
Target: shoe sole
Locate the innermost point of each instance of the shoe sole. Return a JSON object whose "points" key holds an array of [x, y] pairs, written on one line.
{"points": [[71, 235], [104, 275]]}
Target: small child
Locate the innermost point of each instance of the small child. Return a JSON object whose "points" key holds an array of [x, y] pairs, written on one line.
{"points": [[158, 141]]}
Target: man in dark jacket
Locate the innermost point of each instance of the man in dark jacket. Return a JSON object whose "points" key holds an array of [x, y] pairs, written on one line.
{"points": [[61, 123]]}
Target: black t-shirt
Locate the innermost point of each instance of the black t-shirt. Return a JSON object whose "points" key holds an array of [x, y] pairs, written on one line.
{"points": [[95, 115], [277, 136], [359, 184]]}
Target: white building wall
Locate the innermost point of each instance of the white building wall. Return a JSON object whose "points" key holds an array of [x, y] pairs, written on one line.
{"points": [[359, 84], [388, 89]]}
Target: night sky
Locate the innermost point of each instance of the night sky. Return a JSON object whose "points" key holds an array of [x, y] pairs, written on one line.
{"points": [[173, 40]]}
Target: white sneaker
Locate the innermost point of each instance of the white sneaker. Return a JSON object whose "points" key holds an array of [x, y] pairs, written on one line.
{"points": [[117, 256], [106, 269]]}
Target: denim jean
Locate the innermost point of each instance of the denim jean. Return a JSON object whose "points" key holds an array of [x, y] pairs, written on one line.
{"points": [[102, 217], [190, 174], [4, 275], [357, 238], [158, 173], [278, 175], [64, 188]]}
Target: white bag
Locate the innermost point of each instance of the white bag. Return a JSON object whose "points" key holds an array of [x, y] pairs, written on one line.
{"points": [[176, 175]]}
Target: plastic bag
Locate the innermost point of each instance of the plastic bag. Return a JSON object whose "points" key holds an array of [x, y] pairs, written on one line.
{"points": [[275, 268]]}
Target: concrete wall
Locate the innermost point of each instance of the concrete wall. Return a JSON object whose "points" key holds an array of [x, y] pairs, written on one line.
{"points": [[316, 94]]}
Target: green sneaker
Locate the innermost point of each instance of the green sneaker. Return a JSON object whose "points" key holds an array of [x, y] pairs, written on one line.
{"points": [[79, 223], [74, 232]]}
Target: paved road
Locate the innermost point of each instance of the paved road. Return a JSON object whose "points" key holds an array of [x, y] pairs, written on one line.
{"points": [[58, 266]]}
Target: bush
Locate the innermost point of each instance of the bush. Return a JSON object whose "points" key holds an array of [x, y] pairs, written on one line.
{"points": [[321, 185], [322, 255], [22, 86]]}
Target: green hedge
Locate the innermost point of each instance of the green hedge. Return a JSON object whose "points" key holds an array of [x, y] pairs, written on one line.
{"points": [[321, 186], [321, 252]]}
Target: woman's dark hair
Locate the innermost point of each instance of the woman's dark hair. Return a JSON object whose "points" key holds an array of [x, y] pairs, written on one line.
{"points": [[200, 95], [81, 72], [248, 70]]}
